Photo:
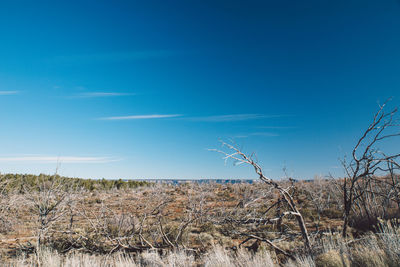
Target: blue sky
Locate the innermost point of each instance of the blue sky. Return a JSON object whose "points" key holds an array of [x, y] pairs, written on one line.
{"points": [[129, 89]]}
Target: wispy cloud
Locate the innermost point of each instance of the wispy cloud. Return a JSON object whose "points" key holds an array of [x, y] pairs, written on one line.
{"points": [[233, 117], [102, 94], [53, 159], [214, 118], [9, 92], [116, 56], [265, 134], [277, 127], [142, 117]]}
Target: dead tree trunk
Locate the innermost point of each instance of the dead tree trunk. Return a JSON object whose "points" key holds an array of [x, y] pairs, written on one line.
{"points": [[241, 157]]}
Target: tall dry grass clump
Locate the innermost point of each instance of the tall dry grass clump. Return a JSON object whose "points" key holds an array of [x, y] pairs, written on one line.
{"points": [[332, 258], [219, 257], [389, 242], [366, 257]]}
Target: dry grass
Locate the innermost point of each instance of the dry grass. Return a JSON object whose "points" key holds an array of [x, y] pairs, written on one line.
{"points": [[374, 250], [332, 258], [188, 225], [218, 257]]}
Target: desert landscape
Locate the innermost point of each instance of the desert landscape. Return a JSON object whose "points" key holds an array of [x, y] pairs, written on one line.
{"points": [[199, 133], [350, 221]]}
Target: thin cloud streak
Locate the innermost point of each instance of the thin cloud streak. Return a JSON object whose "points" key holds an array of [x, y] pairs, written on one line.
{"points": [[142, 117], [116, 56], [234, 117], [265, 134], [277, 127], [102, 94], [214, 118], [53, 159], [9, 92]]}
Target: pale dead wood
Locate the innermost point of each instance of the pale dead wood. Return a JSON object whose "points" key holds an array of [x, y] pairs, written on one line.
{"points": [[368, 161], [242, 158]]}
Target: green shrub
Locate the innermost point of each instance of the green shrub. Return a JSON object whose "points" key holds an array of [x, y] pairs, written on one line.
{"points": [[20, 182]]}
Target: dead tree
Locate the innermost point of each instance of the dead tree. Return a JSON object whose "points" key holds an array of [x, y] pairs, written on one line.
{"points": [[235, 154], [368, 161], [8, 201], [109, 231], [49, 200], [319, 194], [394, 184]]}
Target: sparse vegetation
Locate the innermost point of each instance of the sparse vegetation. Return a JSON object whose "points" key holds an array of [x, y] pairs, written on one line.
{"points": [[191, 223]]}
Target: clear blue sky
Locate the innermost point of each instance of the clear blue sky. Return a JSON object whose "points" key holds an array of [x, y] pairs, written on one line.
{"points": [[129, 89]]}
